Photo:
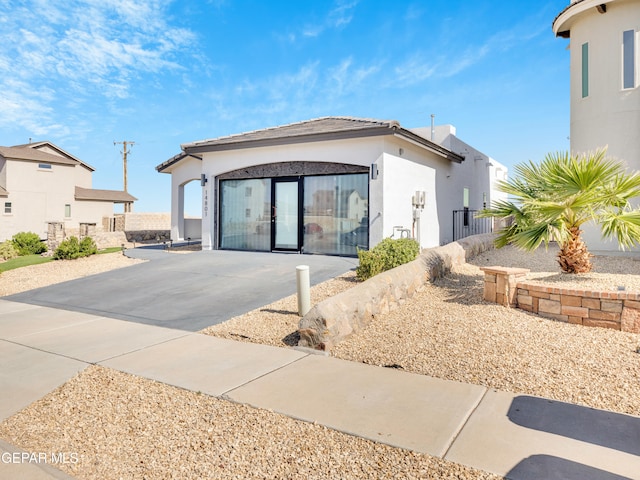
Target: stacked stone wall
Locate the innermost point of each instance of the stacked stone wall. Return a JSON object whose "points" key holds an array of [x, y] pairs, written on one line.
{"points": [[146, 221], [591, 308], [617, 310]]}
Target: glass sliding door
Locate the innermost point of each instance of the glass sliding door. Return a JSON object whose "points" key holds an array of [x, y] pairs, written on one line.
{"points": [[245, 214], [323, 214], [285, 214], [336, 214]]}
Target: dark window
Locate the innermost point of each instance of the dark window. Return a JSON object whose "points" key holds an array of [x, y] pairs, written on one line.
{"points": [[585, 70], [628, 59]]}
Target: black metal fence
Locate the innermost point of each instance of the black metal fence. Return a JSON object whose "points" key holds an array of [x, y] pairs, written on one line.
{"points": [[465, 224]]}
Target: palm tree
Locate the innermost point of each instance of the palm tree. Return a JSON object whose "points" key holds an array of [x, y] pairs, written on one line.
{"points": [[552, 200]]}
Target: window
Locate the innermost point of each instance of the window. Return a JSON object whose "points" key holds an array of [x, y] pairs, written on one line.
{"points": [[67, 211], [7, 207], [44, 166], [245, 214], [628, 59], [336, 214], [585, 70], [465, 197]]}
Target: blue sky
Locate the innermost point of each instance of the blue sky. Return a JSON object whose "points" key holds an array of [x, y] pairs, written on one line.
{"points": [[84, 74]]}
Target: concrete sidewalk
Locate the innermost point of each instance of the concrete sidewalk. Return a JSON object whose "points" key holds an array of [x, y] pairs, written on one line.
{"points": [[518, 436]]}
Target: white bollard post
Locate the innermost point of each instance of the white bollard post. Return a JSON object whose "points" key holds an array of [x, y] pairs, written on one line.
{"points": [[304, 293]]}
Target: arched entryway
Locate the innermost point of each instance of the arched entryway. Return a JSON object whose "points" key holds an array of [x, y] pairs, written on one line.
{"points": [[308, 207], [189, 210]]}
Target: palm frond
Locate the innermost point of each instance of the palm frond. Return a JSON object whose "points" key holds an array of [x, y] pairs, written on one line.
{"points": [[622, 225]]}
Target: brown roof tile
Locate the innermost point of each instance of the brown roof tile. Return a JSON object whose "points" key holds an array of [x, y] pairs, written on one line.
{"points": [[116, 196], [325, 128], [34, 155]]}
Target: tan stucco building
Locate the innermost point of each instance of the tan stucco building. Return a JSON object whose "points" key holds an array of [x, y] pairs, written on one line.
{"points": [[41, 183]]}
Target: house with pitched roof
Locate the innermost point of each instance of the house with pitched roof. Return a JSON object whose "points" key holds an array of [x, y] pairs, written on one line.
{"points": [[41, 183], [329, 186]]}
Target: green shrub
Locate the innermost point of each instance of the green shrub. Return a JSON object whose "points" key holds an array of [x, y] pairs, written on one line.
{"points": [[7, 250], [88, 247], [388, 254], [68, 249], [28, 243], [72, 248]]}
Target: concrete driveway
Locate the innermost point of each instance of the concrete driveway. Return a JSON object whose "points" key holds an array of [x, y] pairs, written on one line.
{"points": [[187, 291]]}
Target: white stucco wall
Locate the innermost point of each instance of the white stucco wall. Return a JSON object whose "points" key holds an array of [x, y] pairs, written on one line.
{"points": [[404, 168], [186, 171], [401, 178], [355, 152], [479, 173], [610, 115]]}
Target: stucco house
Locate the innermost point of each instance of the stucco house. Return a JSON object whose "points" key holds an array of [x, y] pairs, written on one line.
{"points": [[329, 185], [41, 183], [604, 81]]}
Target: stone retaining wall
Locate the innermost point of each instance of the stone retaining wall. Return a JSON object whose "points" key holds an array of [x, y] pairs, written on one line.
{"points": [[138, 222], [617, 310], [330, 321], [591, 308]]}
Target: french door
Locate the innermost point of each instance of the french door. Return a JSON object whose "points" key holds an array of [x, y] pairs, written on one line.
{"points": [[286, 234]]}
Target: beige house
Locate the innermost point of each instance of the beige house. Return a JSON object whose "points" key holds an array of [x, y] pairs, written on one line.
{"points": [[41, 183]]}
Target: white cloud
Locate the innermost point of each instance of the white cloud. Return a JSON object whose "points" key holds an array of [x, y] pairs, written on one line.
{"points": [[414, 70], [338, 17], [344, 79], [61, 52]]}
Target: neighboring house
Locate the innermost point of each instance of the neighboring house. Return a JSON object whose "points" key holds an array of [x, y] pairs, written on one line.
{"points": [[41, 183], [328, 186], [605, 80]]}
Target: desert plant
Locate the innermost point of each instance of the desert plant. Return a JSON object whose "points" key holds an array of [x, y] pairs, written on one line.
{"points": [[28, 243], [551, 201], [7, 250], [388, 254]]}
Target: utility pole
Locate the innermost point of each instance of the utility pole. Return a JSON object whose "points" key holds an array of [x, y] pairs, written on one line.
{"points": [[127, 206]]}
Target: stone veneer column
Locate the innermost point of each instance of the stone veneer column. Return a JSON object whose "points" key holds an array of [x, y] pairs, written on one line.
{"points": [[500, 284]]}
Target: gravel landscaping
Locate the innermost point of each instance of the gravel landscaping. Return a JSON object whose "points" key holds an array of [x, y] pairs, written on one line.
{"points": [[128, 427], [448, 331], [125, 427]]}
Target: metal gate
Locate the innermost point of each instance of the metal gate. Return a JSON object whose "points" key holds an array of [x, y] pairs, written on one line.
{"points": [[465, 224]]}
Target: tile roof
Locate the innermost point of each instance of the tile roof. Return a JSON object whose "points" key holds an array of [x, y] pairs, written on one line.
{"points": [[317, 126], [34, 155], [39, 146], [117, 196], [175, 159], [319, 129]]}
